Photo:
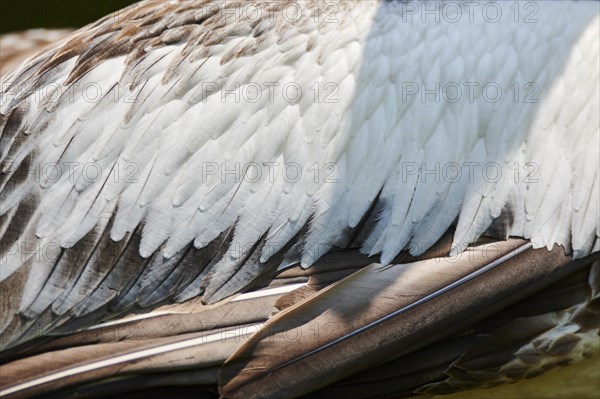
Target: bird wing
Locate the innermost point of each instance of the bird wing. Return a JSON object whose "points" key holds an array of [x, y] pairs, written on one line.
{"points": [[322, 326], [123, 176], [18, 46], [164, 153]]}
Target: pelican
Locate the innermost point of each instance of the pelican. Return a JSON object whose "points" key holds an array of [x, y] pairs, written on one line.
{"points": [[358, 199]]}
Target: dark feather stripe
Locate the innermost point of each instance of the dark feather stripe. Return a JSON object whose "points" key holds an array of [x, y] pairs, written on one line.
{"points": [[71, 315], [64, 312], [191, 267], [95, 270], [252, 273], [14, 224], [110, 292], [67, 270], [5, 220], [199, 260], [15, 180], [43, 262], [123, 274], [501, 227], [10, 127], [163, 286], [153, 274], [248, 270], [196, 287], [10, 326]]}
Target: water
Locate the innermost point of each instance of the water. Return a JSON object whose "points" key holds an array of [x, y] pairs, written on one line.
{"points": [[579, 381]]}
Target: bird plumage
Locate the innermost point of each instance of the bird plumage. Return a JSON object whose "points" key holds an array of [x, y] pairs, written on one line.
{"points": [[328, 315], [17, 47], [184, 150]]}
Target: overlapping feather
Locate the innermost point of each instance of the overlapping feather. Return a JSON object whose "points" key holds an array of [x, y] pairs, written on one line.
{"points": [[132, 162]]}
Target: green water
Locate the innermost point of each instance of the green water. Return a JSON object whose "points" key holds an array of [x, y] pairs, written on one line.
{"points": [[579, 381]]}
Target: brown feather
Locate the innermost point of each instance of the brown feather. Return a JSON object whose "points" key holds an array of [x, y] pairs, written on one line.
{"points": [[360, 329]]}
